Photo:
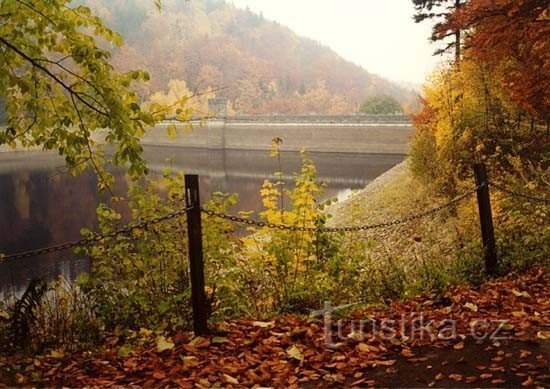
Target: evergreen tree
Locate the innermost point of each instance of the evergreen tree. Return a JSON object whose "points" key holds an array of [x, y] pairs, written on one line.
{"points": [[440, 10]]}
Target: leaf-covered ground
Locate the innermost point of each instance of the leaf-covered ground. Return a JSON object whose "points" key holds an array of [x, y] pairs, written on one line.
{"points": [[292, 351]]}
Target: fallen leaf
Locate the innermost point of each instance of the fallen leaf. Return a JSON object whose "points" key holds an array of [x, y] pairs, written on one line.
{"points": [[124, 351], [389, 362], [517, 293], [358, 382], [230, 380], [145, 332], [164, 344], [527, 382], [439, 376], [459, 346], [219, 340], [471, 306], [524, 354], [294, 352], [455, 377], [199, 342], [159, 375], [263, 324], [190, 361], [507, 327], [56, 354], [363, 347]]}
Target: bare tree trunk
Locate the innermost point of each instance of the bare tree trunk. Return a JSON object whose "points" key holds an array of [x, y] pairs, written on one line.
{"points": [[457, 38]]}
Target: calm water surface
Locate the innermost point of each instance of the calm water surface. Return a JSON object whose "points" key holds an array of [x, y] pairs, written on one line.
{"points": [[42, 205]]}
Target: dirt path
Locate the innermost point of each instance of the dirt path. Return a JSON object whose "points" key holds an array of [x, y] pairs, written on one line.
{"points": [[476, 365]]}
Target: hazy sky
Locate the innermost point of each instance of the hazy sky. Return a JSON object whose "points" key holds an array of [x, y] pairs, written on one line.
{"points": [[379, 35]]}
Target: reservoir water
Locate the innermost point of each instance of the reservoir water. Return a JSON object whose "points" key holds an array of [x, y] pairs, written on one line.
{"points": [[42, 205]]}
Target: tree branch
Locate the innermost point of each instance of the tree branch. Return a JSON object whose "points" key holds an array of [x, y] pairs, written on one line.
{"points": [[53, 76]]}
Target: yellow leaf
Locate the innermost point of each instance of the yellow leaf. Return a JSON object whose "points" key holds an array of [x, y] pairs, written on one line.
{"points": [[230, 380], [172, 132], [517, 293], [219, 340], [294, 352], [363, 347], [263, 324], [56, 354], [507, 327], [471, 306], [164, 344], [190, 361]]}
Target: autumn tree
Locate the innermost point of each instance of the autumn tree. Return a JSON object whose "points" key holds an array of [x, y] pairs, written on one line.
{"points": [[195, 102], [381, 105], [61, 89], [477, 111], [511, 36], [213, 43]]}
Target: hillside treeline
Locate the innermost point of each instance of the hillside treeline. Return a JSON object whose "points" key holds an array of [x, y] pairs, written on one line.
{"points": [[259, 65]]}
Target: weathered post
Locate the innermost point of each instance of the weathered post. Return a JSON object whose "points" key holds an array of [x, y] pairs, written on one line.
{"points": [[196, 261], [486, 218]]}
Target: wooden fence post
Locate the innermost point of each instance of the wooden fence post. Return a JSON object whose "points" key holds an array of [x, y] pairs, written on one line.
{"points": [[196, 261], [486, 218]]}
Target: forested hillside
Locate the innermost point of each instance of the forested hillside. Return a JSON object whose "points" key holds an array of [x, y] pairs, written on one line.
{"points": [[263, 67]]}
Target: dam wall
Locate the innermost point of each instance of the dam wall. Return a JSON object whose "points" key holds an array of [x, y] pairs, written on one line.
{"points": [[371, 134]]}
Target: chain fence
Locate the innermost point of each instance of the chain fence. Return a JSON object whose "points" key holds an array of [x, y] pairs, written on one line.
{"points": [[262, 224], [407, 219], [127, 229], [520, 195]]}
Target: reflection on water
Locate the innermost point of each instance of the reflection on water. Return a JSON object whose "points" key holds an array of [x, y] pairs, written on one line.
{"points": [[42, 205]]}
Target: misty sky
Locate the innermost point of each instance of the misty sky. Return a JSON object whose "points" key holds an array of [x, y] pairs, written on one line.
{"points": [[379, 35]]}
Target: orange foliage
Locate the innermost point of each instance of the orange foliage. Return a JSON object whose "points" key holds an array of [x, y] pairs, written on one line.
{"points": [[263, 67], [514, 35]]}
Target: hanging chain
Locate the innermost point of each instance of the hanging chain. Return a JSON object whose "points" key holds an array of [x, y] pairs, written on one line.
{"points": [[142, 224], [521, 195], [407, 219], [145, 223]]}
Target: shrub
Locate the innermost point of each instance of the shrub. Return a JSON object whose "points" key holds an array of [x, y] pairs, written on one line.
{"points": [[141, 279]]}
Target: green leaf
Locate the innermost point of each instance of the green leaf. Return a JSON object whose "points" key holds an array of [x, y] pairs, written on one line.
{"points": [[164, 306], [124, 351]]}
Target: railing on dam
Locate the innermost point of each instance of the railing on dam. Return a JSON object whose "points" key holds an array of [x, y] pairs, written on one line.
{"points": [[334, 119]]}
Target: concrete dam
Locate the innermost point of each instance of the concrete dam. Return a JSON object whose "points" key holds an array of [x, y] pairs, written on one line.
{"points": [[357, 134]]}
